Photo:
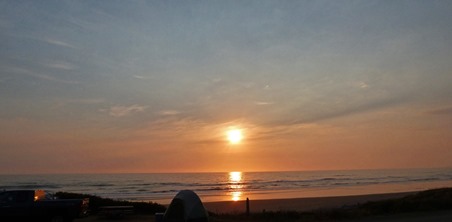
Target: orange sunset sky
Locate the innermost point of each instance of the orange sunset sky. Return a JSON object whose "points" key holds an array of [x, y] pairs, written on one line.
{"points": [[155, 86]]}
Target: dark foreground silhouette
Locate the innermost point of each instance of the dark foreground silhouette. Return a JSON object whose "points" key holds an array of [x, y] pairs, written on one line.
{"points": [[424, 204]]}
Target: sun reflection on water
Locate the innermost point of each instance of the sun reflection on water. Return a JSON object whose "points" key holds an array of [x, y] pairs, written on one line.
{"points": [[235, 185], [235, 177], [236, 195]]}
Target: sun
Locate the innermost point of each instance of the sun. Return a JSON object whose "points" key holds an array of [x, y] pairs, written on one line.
{"points": [[235, 136]]}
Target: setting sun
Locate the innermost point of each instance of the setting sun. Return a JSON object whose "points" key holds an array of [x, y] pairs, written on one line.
{"points": [[234, 136]]}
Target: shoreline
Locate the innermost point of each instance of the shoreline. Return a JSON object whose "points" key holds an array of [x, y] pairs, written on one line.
{"points": [[298, 204], [306, 200], [233, 210], [360, 190]]}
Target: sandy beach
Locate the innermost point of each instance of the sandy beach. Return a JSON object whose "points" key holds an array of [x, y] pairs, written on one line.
{"points": [[297, 204]]}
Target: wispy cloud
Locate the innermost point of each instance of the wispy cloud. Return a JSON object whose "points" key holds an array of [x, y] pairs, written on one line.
{"points": [[141, 77], [169, 112], [263, 103], [120, 111], [362, 85], [183, 129], [40, 76], [60, 65], [441, 111], [85, 101], [352, 110], [58, 43]]}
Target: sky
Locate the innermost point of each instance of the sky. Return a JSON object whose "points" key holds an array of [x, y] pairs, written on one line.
{"points": [[154, 86]]}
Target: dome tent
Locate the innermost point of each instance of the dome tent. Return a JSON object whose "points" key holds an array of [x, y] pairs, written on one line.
{"points": [[186, 207]]}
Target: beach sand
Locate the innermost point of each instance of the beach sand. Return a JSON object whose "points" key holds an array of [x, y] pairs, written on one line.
{"points": [[295, 204]]}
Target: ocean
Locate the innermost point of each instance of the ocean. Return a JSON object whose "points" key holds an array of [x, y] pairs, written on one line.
{"points": [[162, 187]]}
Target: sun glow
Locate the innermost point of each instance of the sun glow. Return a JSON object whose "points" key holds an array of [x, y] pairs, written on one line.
{"points": [[234, 136]]}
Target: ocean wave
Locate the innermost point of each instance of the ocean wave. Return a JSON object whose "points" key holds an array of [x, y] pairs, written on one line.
{"points": [[30, 186], [149, 186]]}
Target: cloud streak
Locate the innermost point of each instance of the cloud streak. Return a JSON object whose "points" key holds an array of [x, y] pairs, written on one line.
{"points": [[263, 103], [441, 111], [169, 112], [58, 43], [41, 76], [60, 65], [352, 110], [121, 111]]}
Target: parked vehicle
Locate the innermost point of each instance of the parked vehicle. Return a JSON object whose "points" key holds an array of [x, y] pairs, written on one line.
{"points": [[39, 205]]}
